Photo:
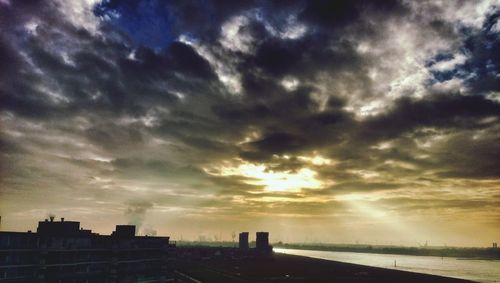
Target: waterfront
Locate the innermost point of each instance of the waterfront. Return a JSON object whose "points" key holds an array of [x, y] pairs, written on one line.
{"points": [[477, 270]]}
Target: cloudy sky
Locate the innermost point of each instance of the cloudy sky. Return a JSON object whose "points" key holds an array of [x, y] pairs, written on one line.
{"points": [[369, 121]]}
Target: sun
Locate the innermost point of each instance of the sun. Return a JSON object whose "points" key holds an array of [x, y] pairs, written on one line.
{"points": [[273, 181]]}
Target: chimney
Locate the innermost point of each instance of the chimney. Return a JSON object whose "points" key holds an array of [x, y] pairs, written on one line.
{"points": [[62, 219], [52, 218]]}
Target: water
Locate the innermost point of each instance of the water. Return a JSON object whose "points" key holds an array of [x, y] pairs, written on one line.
{"points": [[486, 271]]}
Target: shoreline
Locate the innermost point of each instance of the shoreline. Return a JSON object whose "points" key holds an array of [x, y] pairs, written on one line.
{"points": [[454, 252], [480, 253]]}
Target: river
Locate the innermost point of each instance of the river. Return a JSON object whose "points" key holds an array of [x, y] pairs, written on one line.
{"points": [[486, 271]]}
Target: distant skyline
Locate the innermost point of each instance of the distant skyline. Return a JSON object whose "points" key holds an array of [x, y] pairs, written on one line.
{"points": [[325, 121]]}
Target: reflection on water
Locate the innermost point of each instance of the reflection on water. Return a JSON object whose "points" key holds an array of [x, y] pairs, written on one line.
{"points": [[477, 270]]}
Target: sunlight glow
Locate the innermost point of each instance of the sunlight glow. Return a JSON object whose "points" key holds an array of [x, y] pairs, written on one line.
{"points": [[290, 83], [273, 181], [365, 174], [367, 206], [317, 160]]}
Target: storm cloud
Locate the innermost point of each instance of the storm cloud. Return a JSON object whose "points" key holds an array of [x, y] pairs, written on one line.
{"points": [[167, 113]]}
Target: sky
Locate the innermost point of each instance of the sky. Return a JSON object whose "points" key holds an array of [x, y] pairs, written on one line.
{"points": [[340, 122]]}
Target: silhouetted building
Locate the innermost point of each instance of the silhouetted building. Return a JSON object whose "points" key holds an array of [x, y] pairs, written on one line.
{"points": [[124, 231], [243, 243], [61, 251], [262, 241], [62, 228], [495, 245]]}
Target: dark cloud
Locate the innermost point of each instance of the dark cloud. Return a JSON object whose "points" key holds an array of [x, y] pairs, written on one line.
{"points": [[186, 60], [331, 14], [279, 143], [338, 14], [113, 137], [484, 62], [161, 105], [357, 186], [474, 157], [10, 57], [304, 57], [442, 111]]}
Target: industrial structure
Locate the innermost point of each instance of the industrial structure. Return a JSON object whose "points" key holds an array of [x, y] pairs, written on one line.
{"points": [[262, 241], [61, 251], [243, 242]]}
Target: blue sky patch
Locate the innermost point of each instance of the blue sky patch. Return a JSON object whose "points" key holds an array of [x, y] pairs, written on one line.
{"points": [[146, 23]]}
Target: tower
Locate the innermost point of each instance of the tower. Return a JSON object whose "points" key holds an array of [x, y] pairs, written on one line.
{"points": [[262, 241], [243, 241]]}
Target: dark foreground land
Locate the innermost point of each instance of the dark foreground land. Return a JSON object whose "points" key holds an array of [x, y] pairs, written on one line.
{"points": [[289, 268]]}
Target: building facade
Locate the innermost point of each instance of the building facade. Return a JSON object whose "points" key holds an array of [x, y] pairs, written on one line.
{"points": [[61, 251]]}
